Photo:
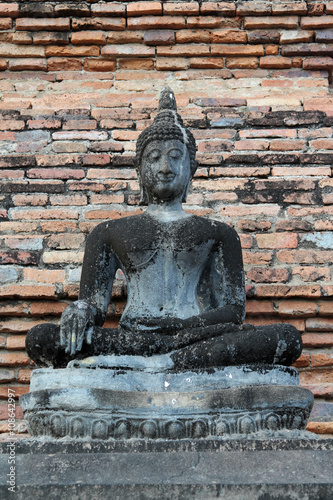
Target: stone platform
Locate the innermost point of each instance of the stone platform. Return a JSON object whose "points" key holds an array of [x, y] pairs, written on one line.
{"points": [[81, 403], [257, 469]]}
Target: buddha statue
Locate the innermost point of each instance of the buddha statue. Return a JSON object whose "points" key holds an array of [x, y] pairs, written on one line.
{"points": [[186, 299]]}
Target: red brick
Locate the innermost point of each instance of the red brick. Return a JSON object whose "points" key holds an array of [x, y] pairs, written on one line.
{"points": [[193, 36], [156, 22], [47, 308], [9, 9], [253, 144], [65, 241], [320, 427], [54, 50], [260, 307], [206, 62], [63, 257], [212, 22], [31, 64], [6, 375], [16, 342], [88, 38], [125, 37], [6, 23], [286, 145], [172, 64], [144, 8], [319, 324], [321, 359], [223, 8], [300, 308], [271, 50], [64, 64], [277, 240], [3, 65], [275, 62], [14, 359], [288, 291], [317, 22], [184, 50], [325, 308], [28, 291], [317, 340], [229, 36], [303, 361], [55, 173], [290, 8], [39, 24], [241, 62], [24, 375], [273, 22], [237, 50], [318, 63], [310, 273], [97, 65], [136, 64], [186, 8]]}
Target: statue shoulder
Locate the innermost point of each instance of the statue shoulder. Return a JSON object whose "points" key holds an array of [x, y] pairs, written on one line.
{"points": [[221, 230]]}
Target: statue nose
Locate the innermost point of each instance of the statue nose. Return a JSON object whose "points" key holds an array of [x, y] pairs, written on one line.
{"points": [[165, 167]]}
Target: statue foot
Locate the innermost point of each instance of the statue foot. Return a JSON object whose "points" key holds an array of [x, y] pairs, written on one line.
{"points": [[159, 363]]}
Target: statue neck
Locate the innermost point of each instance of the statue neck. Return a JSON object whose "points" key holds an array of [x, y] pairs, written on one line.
{"points": [[166, 211]]}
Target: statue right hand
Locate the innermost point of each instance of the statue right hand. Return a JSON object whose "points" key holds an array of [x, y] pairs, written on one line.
{"points": [[76, 325]]}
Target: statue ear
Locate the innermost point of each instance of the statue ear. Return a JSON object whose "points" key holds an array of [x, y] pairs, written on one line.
{"points": [[143, 192], [186, 191]]}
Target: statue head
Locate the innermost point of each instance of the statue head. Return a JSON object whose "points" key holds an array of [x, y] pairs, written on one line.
{"points": [[166, 136]]}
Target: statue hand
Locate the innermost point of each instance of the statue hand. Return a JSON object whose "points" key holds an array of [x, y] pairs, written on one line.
{"points": [[76, 325]]}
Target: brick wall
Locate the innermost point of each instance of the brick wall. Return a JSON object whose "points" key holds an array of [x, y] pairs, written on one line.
{"points": [[80, 80]]}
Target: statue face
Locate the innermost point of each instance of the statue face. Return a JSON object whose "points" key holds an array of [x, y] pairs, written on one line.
{"points": [[165, 170]]}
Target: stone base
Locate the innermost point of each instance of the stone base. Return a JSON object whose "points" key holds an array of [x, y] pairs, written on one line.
{"points": [[117, 404], [170, 470]]}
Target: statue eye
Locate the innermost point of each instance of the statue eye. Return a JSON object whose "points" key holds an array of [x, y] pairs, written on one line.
{"points": [[175, 154], [154, 155]]}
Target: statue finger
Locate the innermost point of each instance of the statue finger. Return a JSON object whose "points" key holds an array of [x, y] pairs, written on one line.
{"points": [[81, 329], [89, 334], [72, 337]]}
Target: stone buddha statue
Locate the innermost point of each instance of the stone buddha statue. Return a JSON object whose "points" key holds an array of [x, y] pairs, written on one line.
{"points": [[186, 300]]}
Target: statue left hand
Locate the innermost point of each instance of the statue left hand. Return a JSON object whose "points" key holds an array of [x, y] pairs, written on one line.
{"points": [[76, 325]]}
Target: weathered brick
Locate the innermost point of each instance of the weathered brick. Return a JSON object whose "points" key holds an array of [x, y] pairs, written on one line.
{"points": [[290, 8], [229, 36], [318, 63], [264, 275], [172, 64], [104, 23], [63, 256], [302, 36], [206, 62], [263, 36], [289, 22], [251, 7], [297, 308], [219, 8], [319, 324], [32, 64], [127, 50], [156, 22], [144, 8], [161, 37], [324, 36], [26, 291], [64, 64], [12, 50], [277, 240], [48, 38], [213, 22], [193, 36], [184, 50], [38, 24], [108, 9], [47, 308], [184, 8], [14, 359], [6, 23], [54, 50]]}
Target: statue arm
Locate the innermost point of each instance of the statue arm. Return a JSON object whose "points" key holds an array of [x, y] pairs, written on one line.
{"points": [[98, 271]]}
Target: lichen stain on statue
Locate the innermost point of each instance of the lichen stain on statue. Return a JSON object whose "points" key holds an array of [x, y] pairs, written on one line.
{"points": [[184, 316]]}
